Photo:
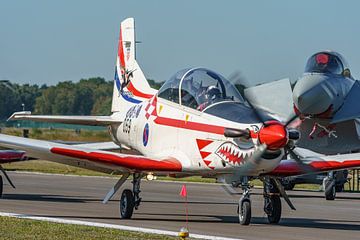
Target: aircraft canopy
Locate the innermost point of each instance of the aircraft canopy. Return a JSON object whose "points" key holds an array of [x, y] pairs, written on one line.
{"points": [[327, 62], [199, 88]]}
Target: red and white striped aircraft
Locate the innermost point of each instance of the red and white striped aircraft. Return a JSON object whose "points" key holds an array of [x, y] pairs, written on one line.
{"points": [[196, 124]]}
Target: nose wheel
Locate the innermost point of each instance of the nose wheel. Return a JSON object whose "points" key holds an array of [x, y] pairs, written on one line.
{"points": [[244, 206]]}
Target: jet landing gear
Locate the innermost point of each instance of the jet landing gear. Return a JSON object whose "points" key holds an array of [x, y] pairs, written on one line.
{"points": [[272, 201], [244, 207], [130, 200]]}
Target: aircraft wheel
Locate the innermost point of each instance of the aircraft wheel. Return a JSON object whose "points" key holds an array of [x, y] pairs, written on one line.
{"points": [[274, 214], [245, 212], [330, 193], [127, 204], [1, 186]]}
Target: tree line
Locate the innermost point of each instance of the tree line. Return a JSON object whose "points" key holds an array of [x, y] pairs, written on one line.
{"points": [[90, 96]]}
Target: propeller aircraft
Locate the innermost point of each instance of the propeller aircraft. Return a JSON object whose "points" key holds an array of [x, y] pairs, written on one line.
{"points": [[197, 123]]}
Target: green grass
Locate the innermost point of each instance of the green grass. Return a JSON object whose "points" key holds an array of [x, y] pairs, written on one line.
{"points": [[14, 228], [62, 134]]}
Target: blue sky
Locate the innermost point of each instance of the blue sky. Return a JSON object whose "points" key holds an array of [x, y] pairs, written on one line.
{"points": [[52, 41]]}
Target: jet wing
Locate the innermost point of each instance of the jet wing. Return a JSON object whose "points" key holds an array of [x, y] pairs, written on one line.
{"points": [[262, 98], [89, 158], [317, 163], [82, 120], [350, 108]]}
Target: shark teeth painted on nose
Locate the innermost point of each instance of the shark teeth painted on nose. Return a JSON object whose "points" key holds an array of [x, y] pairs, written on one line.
{"points": [[232, 154]]}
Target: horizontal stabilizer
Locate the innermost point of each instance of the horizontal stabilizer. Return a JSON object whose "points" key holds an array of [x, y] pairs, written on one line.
{"points": [[82, 120]]}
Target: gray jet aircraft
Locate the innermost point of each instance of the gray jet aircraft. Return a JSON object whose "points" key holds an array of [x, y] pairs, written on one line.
{"points": [[327, 100]]}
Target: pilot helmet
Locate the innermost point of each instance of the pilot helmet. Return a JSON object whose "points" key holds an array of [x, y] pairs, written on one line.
{"points": [[212, 92]]}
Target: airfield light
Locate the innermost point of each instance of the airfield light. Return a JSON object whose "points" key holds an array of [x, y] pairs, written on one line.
{"points": [[150, 177]]}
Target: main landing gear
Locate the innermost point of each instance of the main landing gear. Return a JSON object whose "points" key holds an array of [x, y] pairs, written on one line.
{"points": [[272, 202], [2, 182], [130, 200]]}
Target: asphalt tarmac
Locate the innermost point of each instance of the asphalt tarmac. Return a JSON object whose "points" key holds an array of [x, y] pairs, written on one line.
{"points": [[211, 210]]}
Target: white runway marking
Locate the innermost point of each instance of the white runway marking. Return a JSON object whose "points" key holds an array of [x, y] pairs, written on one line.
{"points": [[113, 226]]}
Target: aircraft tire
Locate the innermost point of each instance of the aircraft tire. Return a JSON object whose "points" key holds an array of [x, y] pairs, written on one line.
{"points": [[127, 204], [245, 212], [1, 186], [330, 194], [275, 215]]}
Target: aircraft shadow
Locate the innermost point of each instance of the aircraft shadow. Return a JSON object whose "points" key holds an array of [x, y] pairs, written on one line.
{"points": [[189, 202], [195, 218], [48, 198]]}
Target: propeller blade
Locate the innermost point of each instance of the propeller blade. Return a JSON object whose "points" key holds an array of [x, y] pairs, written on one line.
{"points": [[230, 189], [283, 193], [303, 166], [293, 118]]}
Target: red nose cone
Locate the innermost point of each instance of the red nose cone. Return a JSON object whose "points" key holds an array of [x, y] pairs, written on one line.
{"points": [[274, 135]]}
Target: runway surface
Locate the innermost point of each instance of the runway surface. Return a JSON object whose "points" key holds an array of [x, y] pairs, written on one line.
{"points": [[211, 210]]}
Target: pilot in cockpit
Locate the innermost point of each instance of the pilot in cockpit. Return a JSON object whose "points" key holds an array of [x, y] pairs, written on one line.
{"points": [[211, 95]]}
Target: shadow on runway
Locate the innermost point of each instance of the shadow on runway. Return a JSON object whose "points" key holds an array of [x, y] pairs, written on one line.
{"points": [[190, 202], [323, 196], [320, 223], [199, 218], [49, 198]]}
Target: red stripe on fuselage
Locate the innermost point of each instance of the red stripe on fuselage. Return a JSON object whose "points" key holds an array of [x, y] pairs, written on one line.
{"points": [[127, 161], [202, 127]]}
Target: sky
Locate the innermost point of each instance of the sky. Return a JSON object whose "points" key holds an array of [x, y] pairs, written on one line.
{"points": [[44, 42]]}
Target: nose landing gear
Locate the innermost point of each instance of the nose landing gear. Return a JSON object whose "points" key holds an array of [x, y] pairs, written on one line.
{"points": [[244, 206]]}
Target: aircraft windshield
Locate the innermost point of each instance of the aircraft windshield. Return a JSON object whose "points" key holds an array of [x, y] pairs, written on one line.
{"points": [[326, 62], [199, 88]]}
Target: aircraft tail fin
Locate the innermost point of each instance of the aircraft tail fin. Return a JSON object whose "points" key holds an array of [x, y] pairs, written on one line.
{"points": [[130, 84]]}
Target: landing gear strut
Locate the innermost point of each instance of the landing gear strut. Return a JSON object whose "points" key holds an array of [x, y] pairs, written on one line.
{"points": [[130, 200], [244, 207], [2, 182], [272, 202], [1, 186]]}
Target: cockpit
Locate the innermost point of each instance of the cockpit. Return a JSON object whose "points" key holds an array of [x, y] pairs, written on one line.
{"points": [[328, 62], [199, 88]]}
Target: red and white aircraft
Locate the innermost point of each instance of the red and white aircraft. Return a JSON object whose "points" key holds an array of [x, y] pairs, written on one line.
{"points": [[196, 124]]}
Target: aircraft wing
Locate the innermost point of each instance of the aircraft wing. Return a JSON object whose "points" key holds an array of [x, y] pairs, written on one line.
{"points": [[262, 98], [89, 158], [317, 163], [7, 156], [350, 108], [83, 120]]}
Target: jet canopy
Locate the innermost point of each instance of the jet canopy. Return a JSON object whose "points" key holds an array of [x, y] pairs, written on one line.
{"points": [[198, 88], [328, 62]]}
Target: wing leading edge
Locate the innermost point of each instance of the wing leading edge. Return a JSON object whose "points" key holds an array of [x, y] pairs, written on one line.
{"points": [[82, 120], [57, 152], [317, 164]]}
